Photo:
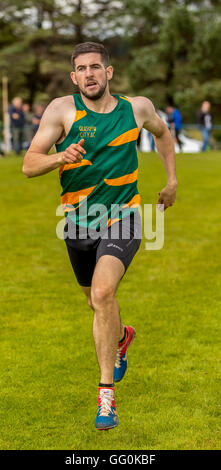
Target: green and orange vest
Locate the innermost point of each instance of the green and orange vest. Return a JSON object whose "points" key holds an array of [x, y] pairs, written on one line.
{"points": [[105, 180]]}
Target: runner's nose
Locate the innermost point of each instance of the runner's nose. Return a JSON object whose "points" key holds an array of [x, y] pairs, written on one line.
{"points": [[89, 72]]}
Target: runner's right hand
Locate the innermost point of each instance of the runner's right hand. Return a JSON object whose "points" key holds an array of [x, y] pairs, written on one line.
{"points": [[72, 154]]}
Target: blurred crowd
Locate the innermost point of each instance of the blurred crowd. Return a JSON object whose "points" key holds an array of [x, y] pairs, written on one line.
{"points": [[173, 119], [24, 123], [204, 121]]}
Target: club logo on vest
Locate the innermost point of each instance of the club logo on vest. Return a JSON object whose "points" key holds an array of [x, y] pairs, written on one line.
{"points": [[87, 131]]}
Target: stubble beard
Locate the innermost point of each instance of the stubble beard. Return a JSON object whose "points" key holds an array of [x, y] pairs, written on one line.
{"points": [[97, 95]]}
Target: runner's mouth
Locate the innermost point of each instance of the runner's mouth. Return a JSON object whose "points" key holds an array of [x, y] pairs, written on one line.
{"points": [[91, 85]]}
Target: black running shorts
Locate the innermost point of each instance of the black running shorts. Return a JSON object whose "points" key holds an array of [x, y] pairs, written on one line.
{"points": [[122, 240]]}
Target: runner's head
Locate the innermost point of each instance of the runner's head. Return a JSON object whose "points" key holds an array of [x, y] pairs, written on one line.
{"points": [[92, 71]]}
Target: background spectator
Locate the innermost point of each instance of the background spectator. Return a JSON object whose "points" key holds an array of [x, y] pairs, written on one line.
{"points": [[175, 123], [151, 140], [37, 117], [204, 119], [28, 126], [17, 124]]}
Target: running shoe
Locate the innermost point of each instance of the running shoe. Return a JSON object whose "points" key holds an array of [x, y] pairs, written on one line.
{"points": [[107, 414], [121, 359]]}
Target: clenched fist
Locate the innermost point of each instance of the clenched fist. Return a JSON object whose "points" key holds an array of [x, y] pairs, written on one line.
{"points": [[167, 196], [73, 153]]}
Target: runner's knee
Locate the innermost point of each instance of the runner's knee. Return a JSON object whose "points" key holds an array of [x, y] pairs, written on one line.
{"points": [[102, 295]]}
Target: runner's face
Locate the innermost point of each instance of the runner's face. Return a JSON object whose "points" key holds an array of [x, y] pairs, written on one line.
{"points": [[91, 76]]}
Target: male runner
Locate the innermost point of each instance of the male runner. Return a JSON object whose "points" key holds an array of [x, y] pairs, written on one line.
{"points": [[95, 136]]}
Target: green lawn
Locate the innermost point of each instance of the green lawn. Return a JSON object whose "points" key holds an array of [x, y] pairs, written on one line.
{"points": [[170, 397]]}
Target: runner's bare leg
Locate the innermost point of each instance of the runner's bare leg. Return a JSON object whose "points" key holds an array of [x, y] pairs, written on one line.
{"points": [[107, 325]]}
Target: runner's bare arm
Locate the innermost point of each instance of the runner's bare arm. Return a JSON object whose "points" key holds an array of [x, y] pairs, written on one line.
{"points": [[165, 146], [37, 161]]}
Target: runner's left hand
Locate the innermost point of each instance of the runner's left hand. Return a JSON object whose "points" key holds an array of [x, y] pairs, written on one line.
{"points": [[167, 195]]}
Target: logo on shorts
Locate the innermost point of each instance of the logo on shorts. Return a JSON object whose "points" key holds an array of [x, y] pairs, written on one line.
{"points": [[115, 246]]}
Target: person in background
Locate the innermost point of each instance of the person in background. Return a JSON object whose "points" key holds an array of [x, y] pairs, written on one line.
{"points": [[17, 124], [37, 117], [28, 126], [169, 119], [175, 124], [204, 119], [151, 142]]}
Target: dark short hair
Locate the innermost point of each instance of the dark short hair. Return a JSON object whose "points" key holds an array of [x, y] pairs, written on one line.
{"points": [[86, 47]]}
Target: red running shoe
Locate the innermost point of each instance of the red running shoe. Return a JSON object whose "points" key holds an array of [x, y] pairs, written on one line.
{"points": [[121, 359]]}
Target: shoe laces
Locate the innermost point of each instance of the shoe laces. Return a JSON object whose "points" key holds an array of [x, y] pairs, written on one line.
{"points": [[118, 358], [106, 399], [119, 354]]}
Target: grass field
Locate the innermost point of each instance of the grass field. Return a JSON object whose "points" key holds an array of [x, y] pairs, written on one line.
{"points": [[170, 397]]}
